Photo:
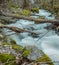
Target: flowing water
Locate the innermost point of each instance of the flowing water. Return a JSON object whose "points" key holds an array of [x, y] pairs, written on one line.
{"points": [[46, 40]]}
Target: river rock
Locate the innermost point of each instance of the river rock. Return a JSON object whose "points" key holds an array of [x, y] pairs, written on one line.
{"points": [[35, 53]]}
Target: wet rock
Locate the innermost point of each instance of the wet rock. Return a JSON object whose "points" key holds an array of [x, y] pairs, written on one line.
{"points": [[35, 53]]}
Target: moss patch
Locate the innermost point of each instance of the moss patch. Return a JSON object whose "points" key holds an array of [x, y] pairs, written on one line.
{"points": [[26, 12], [12, 41], [5, 57], [45, 58], [18, 48], [26, 52]]}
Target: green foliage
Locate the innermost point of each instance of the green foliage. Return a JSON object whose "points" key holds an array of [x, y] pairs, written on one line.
{"points": [[35, 10], [5, 57], [45, 58], [26, 12]]}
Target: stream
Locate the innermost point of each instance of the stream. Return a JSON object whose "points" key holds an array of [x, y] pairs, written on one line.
{"points": [[46, 40]]}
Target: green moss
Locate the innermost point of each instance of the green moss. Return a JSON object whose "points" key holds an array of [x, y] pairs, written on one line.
{"points": [[45, 58], [26, 53], [18, 48], [12, 41], [5, 57], [26, 12], [35, 10]]}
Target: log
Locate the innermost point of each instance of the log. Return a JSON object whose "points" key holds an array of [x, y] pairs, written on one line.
{"points": [[37, 20], [7, 19], [16, 29]]}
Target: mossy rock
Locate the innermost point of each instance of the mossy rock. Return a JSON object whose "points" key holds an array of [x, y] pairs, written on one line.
{"points": [[35, 10], [17, 48], [26, 12], [26, 52], [5, 57], [45, 58]]}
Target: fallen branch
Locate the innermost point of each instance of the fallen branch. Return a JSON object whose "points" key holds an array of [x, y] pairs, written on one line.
{"points": [[30, 18], [16, 29], [7, 19]]}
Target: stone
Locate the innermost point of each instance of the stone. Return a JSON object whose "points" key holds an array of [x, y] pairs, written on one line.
{"points": [[35, 53]]}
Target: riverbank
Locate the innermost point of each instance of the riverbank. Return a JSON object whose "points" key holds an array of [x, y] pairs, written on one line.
{"points": [[13, 54]]}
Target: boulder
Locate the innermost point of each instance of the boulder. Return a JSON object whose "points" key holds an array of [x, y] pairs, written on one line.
{"points": [[35, 52]]}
